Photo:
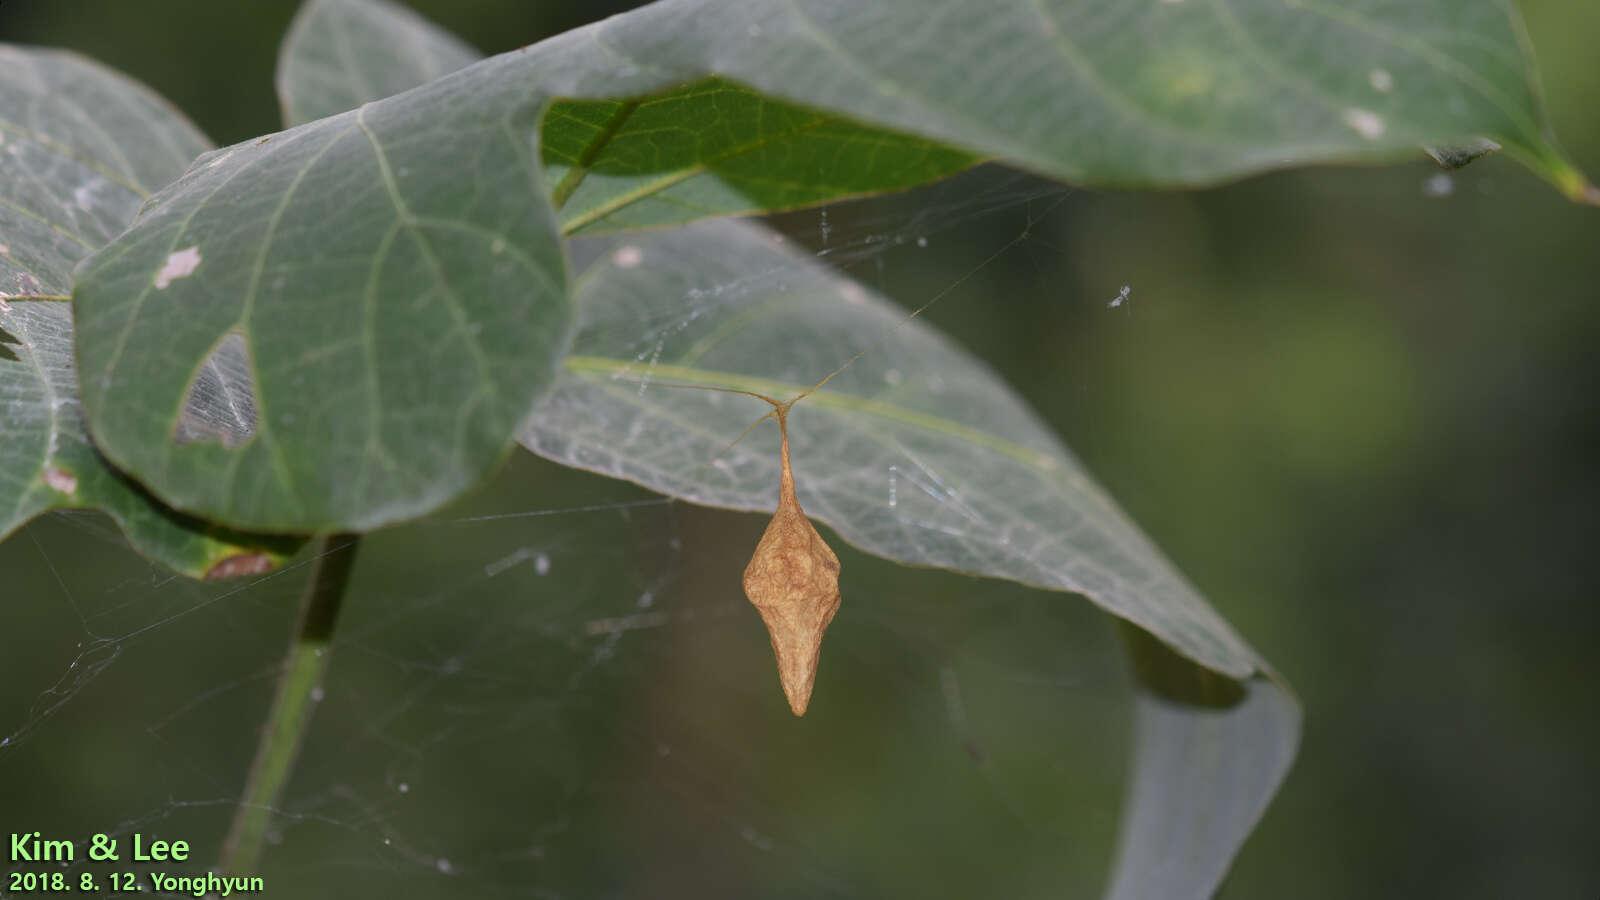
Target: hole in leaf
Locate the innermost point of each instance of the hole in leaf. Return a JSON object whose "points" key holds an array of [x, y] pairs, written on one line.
{"points": [[6, 352], [220, 404]]}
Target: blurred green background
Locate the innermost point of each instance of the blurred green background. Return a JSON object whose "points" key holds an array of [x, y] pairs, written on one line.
{"points": [[1354, 405]]}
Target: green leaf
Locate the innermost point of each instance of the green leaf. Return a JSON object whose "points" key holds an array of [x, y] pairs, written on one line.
{"points": [[393, 281], [396, 352], [1115, 92], [916, 453], [707, 149], [81, 147], [47, 461], [1209, 754], [714, 148], [340, 54]]}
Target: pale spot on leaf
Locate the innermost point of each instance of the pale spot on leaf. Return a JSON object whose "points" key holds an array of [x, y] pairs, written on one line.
{"points": [[1366, 123], [240, 564], [179, 265], [627, 257], [61, 480]]}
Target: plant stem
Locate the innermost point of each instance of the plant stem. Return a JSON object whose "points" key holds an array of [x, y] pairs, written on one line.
{"points": [[286, 725]]}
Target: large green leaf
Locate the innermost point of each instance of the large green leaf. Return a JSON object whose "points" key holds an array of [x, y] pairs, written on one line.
{"points": [[394, 272], [713, 148], [1209, 753], [1125, 92], [396, 285], [47, 461], [917, 453], [340, 54], [81, 147], [706, 149]]}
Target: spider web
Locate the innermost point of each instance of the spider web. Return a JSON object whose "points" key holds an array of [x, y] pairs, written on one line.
{"points": [[555, 688]]}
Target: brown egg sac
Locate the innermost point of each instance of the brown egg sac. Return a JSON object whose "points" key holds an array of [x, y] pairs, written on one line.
{"points": [[793, 580]]}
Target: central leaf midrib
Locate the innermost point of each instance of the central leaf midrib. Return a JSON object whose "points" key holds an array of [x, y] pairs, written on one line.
{"points": [[1038, 460]]}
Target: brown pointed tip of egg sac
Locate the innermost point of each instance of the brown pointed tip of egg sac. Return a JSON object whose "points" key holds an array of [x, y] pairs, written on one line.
{"points": [[793, 580]]}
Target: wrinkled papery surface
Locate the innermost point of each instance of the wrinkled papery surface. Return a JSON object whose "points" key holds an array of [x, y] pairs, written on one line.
{"points": [[793, 579]]}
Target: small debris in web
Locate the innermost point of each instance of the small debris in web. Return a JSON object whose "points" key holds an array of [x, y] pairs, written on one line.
{"points": [[1121, 297]]}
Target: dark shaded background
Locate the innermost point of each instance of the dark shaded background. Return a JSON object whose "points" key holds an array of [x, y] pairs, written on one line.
{"points": [[1360, 416]]}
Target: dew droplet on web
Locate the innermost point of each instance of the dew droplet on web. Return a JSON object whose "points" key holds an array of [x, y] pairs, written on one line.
{"points": [[1381, 80], [541, 564], [317, 694], [444, 866], [922, 242], [403, 787], [627, 257]]}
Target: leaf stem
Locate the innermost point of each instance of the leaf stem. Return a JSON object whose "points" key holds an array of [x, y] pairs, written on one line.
{"points": [[287, 723], [575, 175]]}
